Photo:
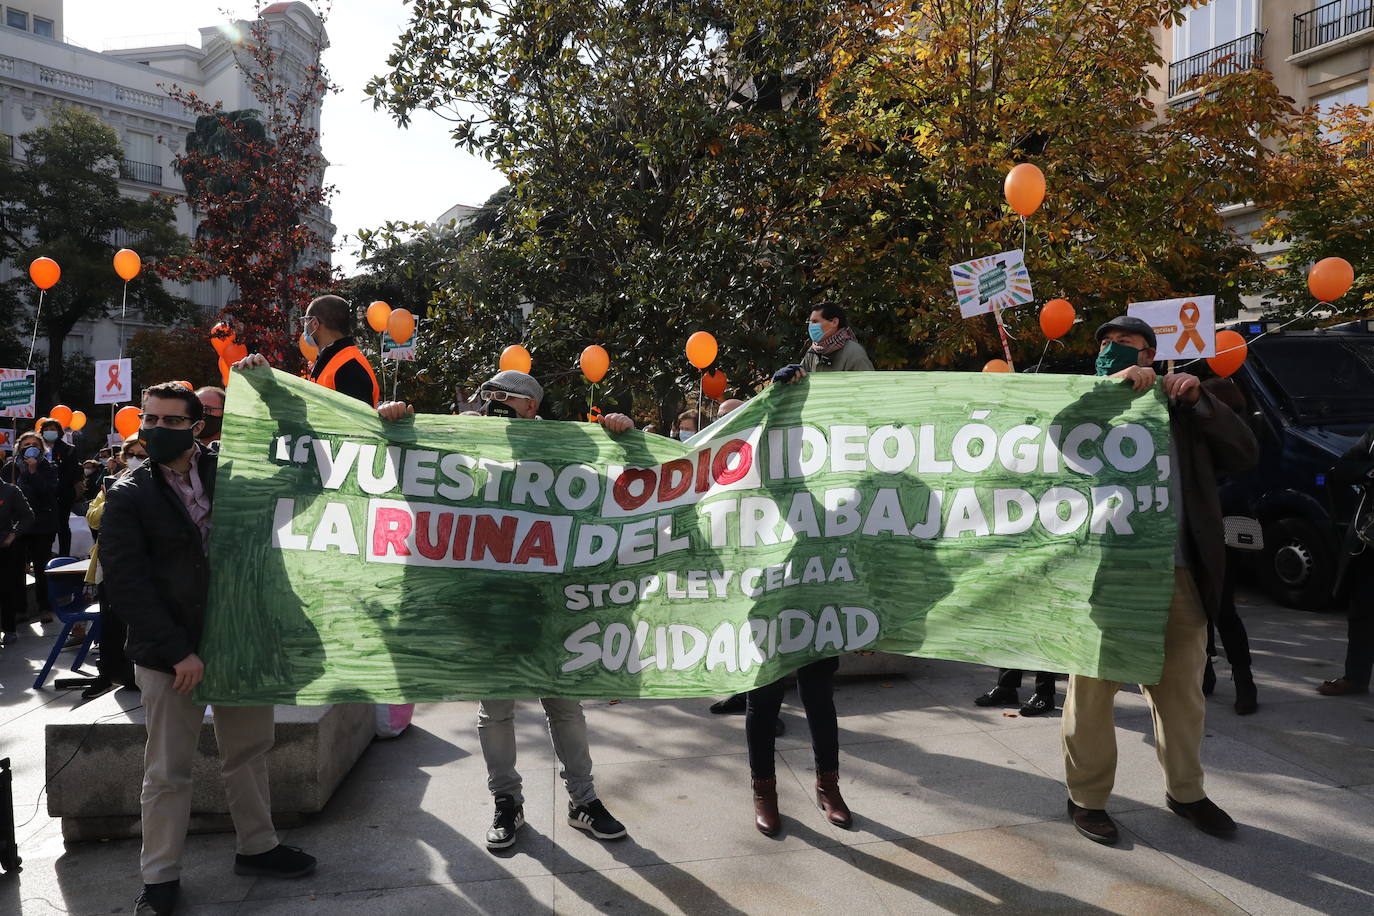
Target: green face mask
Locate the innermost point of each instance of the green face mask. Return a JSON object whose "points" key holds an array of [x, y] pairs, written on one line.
{"points": [[1116, 357]]}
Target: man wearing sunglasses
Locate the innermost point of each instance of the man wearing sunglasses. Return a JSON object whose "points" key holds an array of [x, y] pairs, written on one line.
{"points": [[153, 552], [516, 395]]}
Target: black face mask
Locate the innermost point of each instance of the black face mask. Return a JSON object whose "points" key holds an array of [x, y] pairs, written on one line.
{"points": [[500, 409], [213, 425]]}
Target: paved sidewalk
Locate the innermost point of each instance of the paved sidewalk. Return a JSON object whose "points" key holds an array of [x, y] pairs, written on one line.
{"points": [[957, 809]]}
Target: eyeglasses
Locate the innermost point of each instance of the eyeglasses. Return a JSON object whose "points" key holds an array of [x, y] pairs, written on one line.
{"points": [[498, 395], [172, 421], [214, 411]]}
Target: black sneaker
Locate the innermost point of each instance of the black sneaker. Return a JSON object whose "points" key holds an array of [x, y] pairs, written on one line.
{"points": [[158, 899], [278, 862], [596, 820], [509, 818]]}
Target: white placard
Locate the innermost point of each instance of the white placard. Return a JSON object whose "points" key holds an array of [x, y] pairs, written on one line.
{"points": [[999, 280], [114, 381], [114, 440], [1185, 328], [392, 350], [18, 390]]}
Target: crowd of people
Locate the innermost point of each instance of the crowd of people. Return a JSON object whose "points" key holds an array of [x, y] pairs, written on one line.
{"points": [[149, 505]]}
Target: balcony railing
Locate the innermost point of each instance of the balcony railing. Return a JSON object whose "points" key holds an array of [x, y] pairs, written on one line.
{"points": [[1329, 22], [142, 172], [1232, 57]]}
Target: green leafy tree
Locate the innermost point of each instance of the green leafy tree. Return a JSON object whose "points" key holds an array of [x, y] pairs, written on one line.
{"points": [[665, 167], [63, 201]]}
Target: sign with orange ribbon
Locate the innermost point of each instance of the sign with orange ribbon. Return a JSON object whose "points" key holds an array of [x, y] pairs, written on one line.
{"points": [[1185, 328], [114, 382]]}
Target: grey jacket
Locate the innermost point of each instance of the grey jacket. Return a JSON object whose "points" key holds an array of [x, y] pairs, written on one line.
{"points": [[850, 358]]}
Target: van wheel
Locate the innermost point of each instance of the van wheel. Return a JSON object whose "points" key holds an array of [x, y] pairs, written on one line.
{"points": [[1299, 564]]}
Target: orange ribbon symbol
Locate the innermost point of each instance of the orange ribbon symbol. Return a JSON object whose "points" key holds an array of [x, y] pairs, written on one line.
{"points": [[1189, 315], [112, 374]]}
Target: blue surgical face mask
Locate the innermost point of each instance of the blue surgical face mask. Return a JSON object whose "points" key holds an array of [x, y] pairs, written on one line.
{"points": [[32, 452], [307, 336], [50, 435], [816, 331], [685, 434]]}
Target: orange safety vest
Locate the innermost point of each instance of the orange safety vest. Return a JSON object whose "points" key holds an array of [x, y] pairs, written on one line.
{"points": [[326, 378]]}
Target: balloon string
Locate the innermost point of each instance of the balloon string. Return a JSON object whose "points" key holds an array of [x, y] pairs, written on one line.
{"points": [[701, 388], [1023, 236], [123, 311], [33, 340], [1246, 345], [1002, 332]]}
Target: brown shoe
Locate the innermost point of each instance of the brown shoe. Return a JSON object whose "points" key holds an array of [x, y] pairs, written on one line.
{"points": [[830, 801], [1341, 687], [766, 816], [1094, 823]]}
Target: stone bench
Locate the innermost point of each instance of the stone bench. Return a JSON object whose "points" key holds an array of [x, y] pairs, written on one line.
{"points": [[95, 790]]}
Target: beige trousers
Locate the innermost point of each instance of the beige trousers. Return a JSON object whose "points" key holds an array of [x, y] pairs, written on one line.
{"points": [[244, 735], [1176, 703]]}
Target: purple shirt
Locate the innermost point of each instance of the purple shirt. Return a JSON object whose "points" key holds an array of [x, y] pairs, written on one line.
{"points": [[192, 494]]}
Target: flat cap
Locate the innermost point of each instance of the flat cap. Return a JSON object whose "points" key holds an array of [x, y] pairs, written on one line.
{"points": [[514, 382], [1131, 325]]}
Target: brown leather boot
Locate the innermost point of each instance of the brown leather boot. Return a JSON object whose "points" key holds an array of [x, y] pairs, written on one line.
{"points": [[830, 801], [766, 816]]}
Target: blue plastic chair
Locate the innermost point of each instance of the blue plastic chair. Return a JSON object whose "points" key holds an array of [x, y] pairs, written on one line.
{"points": [[66, 596]]}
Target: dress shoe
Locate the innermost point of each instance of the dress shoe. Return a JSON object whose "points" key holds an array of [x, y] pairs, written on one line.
{"points": [[766, 816], [1094, 823], [1038, 705], [733, 705], [829, 800], [1205, 815], [280, 861], [97, 687], [158, 899], [998, 696], [1341, 687], [1247, 698]]}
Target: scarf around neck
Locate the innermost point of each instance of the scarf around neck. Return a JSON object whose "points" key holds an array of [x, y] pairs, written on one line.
{"points": [[832, 343]]}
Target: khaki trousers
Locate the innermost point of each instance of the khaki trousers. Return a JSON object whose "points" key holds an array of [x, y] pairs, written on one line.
{"points": [[1176, 704], [244, 735]]}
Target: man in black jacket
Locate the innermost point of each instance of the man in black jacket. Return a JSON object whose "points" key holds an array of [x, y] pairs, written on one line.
{"points": [[1356, 468], [15, 520], [63, 457], [153, 552]]}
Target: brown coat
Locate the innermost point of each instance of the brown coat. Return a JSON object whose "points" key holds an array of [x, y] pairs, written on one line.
{"points": [[1208, 437]]}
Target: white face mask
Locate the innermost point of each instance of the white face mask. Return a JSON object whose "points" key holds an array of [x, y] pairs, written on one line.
{"points": [[685, 434], [133, 464]]}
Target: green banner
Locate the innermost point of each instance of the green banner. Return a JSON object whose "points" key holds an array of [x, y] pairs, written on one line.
{"points": [[1020, 521]]}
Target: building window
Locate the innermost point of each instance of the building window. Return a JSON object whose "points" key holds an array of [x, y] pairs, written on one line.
{"points": [[139, 147], [1213, 25], [1325, 104], [17, 19], [42, 27]]}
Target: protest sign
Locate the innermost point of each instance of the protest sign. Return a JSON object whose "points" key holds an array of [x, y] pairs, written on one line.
{"points": [[1022, 522], [18, 392], [1184, 328], [393, 350], [991, 284], [114, 381]]}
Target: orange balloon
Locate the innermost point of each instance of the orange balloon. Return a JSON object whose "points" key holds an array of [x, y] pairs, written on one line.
{"points": [[309, 351], [1056, 317], [1330, 279], [232, 353], [713, 384], [1231, 352], [62, 414], [127, 264], [1024, 188], [44, 272], [701, 349], [128, 420], [595, 362], [78, 419], [377, 314], [996, 365], [221, 336], [400, 324], [516, 357]]}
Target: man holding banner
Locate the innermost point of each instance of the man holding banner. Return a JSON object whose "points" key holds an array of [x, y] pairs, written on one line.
{"points": [[1204, 436]]}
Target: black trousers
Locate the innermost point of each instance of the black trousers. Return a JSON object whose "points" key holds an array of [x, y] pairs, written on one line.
{"points": [[113, 664], [12, 603], [1359, 650], [816, 683], [1011, 679], [38, 550], [64, 531], [1230, 627]]}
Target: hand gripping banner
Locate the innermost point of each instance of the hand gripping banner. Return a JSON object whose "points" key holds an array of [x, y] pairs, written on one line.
{"points": [[1021, 522]]}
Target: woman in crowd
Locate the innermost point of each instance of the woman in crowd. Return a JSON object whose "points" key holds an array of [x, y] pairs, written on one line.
{"points": [[37, 477], [15, 520], [685, 426]]}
